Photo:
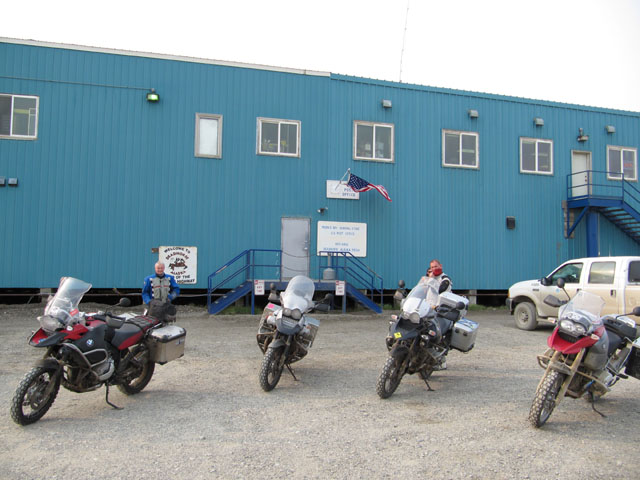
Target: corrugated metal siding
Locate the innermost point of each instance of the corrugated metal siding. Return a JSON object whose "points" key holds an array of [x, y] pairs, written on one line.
{"points": [[112, 176]]}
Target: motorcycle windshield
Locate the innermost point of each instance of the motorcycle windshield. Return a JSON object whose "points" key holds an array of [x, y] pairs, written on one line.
{"points": [[299, 294], [67, 298], [421, 298], [586, 303]]}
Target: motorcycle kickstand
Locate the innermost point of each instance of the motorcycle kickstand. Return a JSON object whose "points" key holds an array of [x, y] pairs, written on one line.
{"points": [[107, 399], [291, 372], [593, 405]]}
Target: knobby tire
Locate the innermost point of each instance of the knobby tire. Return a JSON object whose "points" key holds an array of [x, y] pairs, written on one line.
{"points": [[31, 400]]}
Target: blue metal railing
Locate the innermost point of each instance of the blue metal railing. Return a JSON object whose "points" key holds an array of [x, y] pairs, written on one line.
{"points": [[246, 266], [602, 184], [251, 264], [352, 270], [600, 189]]}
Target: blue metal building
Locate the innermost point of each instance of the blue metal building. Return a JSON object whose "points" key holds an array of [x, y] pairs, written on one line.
{"points": [[94, 176]]}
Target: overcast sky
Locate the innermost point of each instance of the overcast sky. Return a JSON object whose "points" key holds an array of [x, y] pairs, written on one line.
{"points": [[576, 51]]}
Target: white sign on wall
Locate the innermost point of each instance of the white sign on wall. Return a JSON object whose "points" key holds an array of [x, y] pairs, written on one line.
{"points": [[335, 189], [339, 288], [258, 287], [342, 237], [181, 262]]}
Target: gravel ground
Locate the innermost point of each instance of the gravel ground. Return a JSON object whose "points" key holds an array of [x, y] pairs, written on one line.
{"points": [[204, 416]]}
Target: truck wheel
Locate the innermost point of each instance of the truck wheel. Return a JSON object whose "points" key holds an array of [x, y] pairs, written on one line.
{"points": [[525, 314]]}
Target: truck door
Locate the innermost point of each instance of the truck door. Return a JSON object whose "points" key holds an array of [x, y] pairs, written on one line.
{"points": [[631, 279], [571, 272], [601, 281]]}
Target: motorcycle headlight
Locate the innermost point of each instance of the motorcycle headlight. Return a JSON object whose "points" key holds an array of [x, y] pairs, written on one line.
{"points": [[414, 317], [572, 327]]}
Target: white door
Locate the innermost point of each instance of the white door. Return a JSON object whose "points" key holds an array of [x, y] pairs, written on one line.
{"points": [[294, 239], [580, 174]]}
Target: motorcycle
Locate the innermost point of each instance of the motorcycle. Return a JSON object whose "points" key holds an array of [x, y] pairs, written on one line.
{"points": [[85, 351], [286, 332], [419, 339], [587, 353]]}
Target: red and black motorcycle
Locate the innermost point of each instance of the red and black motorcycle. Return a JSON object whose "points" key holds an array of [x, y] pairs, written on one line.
{"points": [[587, 353], [85, 351]]}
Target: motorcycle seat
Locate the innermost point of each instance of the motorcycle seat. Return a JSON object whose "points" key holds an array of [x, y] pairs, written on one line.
{"points": [[131, 331]]}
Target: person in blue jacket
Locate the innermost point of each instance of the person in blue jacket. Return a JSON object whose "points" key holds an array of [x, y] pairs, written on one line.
{"points": [[161, 286]]}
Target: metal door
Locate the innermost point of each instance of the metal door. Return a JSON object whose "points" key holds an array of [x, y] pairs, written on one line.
{"points": [[294, 240], [580, 174]]}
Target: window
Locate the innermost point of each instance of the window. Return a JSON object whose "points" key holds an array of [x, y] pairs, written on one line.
{"points": [[570, 273], [208, 135], [18, 116], [459, 149], [373, 141], [621, 160], [278, 137], [634, 272], [536, 156], [602, 273]]}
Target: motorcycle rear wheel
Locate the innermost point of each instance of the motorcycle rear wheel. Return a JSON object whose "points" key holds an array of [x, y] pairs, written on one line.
{"points": [[31, 400], [143, 368], [545, 400], [390, 377], [271, 369]]}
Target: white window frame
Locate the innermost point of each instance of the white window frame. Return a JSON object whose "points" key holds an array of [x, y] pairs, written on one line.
{"points": [[537, 141], [618, 176], [373, 158], [460, 133], [280, 122], [32, 113], [208, 116]]}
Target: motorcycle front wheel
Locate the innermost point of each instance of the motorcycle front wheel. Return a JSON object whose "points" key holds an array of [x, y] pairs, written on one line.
{"points": [[545, 400], [389, 377], [138, 371], [271, 369], [35, 395]]}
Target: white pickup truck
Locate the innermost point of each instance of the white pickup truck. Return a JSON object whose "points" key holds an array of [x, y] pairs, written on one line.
{"points": [[615, 279]]}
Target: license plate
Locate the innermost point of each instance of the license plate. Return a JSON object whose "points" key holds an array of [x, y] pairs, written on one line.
{"points": [[397, 335]]}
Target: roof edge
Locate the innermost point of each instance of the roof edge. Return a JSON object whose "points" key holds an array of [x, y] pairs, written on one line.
{"points": [[179, 58]]}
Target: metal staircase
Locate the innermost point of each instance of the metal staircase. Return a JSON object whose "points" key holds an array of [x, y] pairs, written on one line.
{"points": [[608, 194], [235, 279]]}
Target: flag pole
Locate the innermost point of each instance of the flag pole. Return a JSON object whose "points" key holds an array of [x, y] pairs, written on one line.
{"points": [[348, 172]]}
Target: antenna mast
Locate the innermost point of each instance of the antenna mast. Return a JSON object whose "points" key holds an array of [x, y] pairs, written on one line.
{"points": [[404, 36]]}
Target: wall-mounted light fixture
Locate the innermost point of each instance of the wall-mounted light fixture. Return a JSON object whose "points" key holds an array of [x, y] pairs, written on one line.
{"points": [[610, 129], [386, 103], [321, 210], [581, 136], [13, 182], [538, 122], [3, 181], [511, 223], [153, 96], [473, 113]]}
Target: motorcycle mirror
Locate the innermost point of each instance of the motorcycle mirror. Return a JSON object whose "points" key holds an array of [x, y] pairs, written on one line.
{"points": [[460, 306], [553, 301], [322, 307], [401, 284], [636, 312], [124, 302], [560, 282], [273, 298]]}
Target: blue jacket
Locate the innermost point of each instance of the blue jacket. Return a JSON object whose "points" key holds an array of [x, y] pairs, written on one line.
{"points": [[147, 289]]}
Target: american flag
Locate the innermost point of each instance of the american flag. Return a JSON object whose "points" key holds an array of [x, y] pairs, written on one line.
{"points": [[358, 184]]}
